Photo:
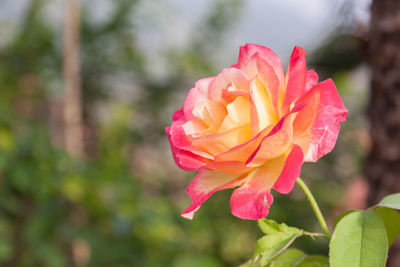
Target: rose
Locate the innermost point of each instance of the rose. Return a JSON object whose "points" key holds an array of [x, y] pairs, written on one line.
{"points": [[252, 126]]}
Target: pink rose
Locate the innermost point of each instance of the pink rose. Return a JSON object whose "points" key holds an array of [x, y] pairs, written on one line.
{"points": [[252, 127]]}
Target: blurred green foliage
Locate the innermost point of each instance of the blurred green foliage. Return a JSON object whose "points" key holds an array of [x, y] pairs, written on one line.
{"points": [[110, 209]]}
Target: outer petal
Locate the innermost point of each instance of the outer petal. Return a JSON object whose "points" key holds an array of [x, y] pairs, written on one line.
{"points": [[316, 127], [296, 78], [188, 161], [185, 159], [178, 139], [178, 115], [290, 172], [252, 200], [204, 185], [245, 63]]}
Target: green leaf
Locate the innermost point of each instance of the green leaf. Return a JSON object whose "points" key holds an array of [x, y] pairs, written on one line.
{"points": [[297, 258], [314, 261], [290, 257], [271, 227], [359, 240], [391, 219], [246, 264], [341, 216], [250, 264], [391, 201], [278, 238], [270, 246]]}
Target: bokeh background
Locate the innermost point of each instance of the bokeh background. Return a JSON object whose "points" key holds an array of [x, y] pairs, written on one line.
{"points": [[118, 203]]}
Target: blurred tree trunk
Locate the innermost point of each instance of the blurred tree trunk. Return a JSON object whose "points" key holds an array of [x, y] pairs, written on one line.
{"points": [[383, 162], [72, 81]]}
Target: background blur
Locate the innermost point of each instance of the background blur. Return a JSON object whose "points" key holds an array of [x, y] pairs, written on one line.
{"points": [[119, 203]]}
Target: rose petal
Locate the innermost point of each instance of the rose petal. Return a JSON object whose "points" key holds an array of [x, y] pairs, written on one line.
{"points": [[197, 94], [261, 111], [243, 151], [221, 142], [232, 92], [312, 79], [204, 185], [238, 114], [179, 139], [189, 161], [185, 159], [284, 184], [246, 53], [251, 205], [178, 115], [233, 167], [271, 82], [316, 126], [296, 78], [195, 128], [226, 79], [274, 144], [211, 112], [251, 201]]}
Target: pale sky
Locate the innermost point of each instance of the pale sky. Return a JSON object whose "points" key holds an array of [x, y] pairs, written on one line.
{"points": [[279, 25], [168, 23]]}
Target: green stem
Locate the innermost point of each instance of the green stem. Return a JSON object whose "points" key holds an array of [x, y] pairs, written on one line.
{"points": [[315, 207]]}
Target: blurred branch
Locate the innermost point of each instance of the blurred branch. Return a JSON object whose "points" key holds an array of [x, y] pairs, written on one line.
{"points": [[72, 81], [382, 164], [19, 245]]}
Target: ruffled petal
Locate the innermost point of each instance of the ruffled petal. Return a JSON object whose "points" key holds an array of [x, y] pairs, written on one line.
{"points": [[195, 128], [229, 78], [221, 142], [179, 139], [274, 144], [252, 200], [246, 63], [238, 114], [243, 151], [211, 112], [317, 125], [204, 185], [232, 92], [197, 94], [185, 160]]}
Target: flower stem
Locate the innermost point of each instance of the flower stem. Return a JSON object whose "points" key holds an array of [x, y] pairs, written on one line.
{"points": [[315, 207]]}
